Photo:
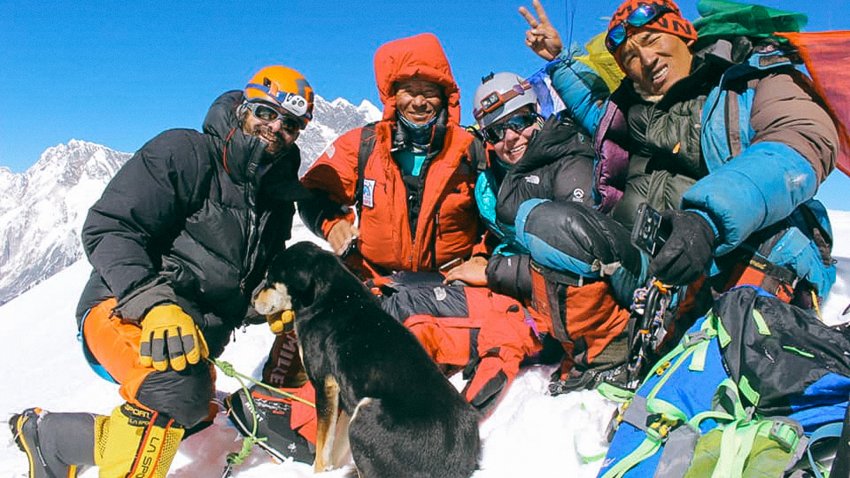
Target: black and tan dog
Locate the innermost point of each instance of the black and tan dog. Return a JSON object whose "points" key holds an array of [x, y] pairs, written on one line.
{"points": [[407, 420]]}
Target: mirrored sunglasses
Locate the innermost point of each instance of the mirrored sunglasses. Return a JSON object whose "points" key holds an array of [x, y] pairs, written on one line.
{"points": [[518, 123], [269, 114], [645, 13]]}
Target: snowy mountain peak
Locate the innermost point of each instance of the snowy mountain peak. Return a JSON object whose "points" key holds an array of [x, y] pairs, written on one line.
{"points": [[366, 108], [331, 119], [43, 210], [66, 165], [372, 112]]}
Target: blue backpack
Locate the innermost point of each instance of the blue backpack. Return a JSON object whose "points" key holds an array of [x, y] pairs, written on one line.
{"points": [[746, 392]]}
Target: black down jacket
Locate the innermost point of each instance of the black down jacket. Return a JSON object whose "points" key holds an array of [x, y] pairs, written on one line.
{"points": [[557, 165], [192, 218]]}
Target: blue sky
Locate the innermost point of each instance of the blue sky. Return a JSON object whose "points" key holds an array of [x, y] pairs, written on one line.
{"points": [[118, 73]]}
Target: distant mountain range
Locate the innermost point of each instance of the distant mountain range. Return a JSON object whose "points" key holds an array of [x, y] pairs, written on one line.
{"points": [[42, 209]]}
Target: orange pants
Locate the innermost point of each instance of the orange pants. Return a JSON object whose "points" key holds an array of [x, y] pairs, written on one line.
{"points": [[185, 396], [587, 315]]}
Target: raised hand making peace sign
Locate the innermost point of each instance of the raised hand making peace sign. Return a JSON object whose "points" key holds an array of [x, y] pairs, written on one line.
{"points": [[542, 37]]}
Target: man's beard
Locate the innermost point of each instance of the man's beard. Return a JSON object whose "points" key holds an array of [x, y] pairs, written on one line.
{"points": [[275, 143]]}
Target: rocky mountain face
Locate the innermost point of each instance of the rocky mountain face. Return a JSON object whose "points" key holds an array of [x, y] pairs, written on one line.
{"points": [[42, 209], [331, 119]]}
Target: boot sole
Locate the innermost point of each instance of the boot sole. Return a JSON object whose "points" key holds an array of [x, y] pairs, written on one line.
{"points": [[16, 424]]}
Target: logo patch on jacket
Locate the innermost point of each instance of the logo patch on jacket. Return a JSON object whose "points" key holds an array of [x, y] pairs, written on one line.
{"points": [[578, 195], [368, 193], [532, 179]]}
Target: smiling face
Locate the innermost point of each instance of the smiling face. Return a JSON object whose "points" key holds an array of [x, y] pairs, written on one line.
{"points": [[513, 146], [418, 100], [278, 135], [655, 61]]}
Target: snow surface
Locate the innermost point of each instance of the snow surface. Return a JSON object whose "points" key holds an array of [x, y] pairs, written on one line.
{"points": [[529, 434]]}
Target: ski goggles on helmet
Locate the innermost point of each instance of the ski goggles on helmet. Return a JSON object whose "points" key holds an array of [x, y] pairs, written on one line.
{"points": [[644, 14], [269, 114], [517, 123]]}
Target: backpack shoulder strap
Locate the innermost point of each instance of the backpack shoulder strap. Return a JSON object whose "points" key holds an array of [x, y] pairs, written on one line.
{"points": [[477, 150], [367, 145], [478, 153]]}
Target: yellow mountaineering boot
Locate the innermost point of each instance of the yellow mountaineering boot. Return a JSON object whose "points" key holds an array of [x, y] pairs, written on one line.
{"points": [[57, 445], [135, 443]]}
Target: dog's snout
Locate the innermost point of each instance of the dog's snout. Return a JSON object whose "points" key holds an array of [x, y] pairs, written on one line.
{"points": [[270, 300]]}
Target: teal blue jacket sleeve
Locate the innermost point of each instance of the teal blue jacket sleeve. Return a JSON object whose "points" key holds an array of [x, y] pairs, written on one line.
{"points": [[581, 89], [761, 186]]}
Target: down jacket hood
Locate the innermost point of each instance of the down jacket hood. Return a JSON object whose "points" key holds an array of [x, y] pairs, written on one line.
{"points": [[420, 56]]}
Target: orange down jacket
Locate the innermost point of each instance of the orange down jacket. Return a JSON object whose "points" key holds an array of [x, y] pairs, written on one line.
{"points": [[448, 225]]}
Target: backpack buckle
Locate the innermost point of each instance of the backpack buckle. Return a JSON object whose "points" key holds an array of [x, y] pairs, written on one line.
{"points": [[660, 425], [786, 434], [695, 337]]}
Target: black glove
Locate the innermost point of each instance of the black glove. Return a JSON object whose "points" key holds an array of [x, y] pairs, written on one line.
{"points": [[688, 251]]}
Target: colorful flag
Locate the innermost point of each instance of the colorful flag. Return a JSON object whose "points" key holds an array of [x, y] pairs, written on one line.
{"points": [[825, 55]]}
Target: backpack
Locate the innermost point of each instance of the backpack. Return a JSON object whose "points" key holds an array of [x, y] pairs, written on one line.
{"points": [[746, 390]]}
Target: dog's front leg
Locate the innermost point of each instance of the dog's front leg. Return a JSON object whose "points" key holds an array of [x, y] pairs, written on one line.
{"points": [[341, 446], [327, 412]]}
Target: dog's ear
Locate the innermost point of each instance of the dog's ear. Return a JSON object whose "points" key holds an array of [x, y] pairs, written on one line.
{"points": [[305, 283], [307, 271]]}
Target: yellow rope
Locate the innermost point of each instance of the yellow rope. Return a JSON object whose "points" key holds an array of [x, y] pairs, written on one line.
{"points": [[816, 305]]}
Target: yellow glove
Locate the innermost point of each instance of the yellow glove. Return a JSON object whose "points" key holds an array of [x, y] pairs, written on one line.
{"points": [[170, 336], [281, 322]]}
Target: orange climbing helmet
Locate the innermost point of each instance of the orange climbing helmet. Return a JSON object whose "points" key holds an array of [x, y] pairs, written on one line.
{"points": [[283, 87]]}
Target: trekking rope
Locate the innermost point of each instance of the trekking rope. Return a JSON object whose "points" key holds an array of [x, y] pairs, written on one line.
{"points": [[230, 371], [248, 442]]}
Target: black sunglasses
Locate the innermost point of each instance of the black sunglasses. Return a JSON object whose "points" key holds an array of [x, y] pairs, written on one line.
{"points": [[518, 123], [268, 114]]}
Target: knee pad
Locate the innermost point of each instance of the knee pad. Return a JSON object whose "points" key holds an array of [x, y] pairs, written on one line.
{"points": [[571, 237], [184, 396]]}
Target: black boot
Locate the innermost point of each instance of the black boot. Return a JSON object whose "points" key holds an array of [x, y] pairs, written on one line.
{"points": [[273, 422], [57, 445]]}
